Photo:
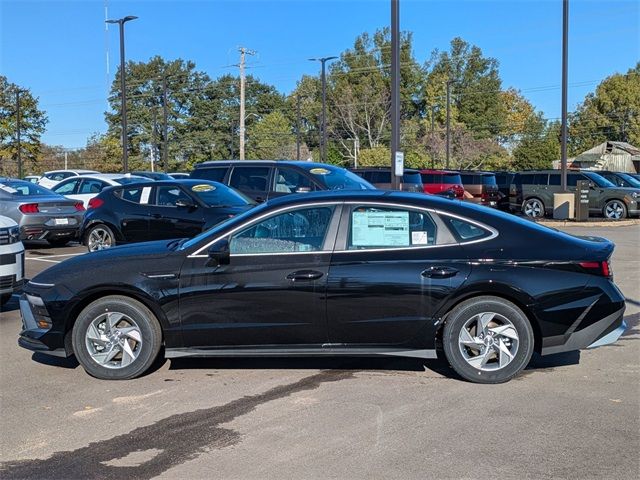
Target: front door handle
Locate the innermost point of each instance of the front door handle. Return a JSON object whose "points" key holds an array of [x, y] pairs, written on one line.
{"points": [[304, 275], [439, 272]]}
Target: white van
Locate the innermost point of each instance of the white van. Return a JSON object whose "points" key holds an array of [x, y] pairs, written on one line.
{"points": [[11, 259]]}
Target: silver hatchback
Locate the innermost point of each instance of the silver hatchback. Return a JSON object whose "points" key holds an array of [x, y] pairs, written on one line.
{"points": [[40, 213]]}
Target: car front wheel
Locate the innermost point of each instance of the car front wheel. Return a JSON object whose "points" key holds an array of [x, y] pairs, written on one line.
{"points": [[533, 208], [100, 237], [488, 340], [615, 210], [116, 338]]}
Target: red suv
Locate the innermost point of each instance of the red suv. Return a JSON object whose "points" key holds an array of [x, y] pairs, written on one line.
{"points": [[440, 181]]}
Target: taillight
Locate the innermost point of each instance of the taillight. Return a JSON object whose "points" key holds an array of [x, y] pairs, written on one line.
{"points": [[597, 268], [95, 202], [484, 197], [79, 207], [29, 208]]}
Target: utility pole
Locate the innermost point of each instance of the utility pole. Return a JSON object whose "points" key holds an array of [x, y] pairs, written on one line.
{"points": [[395, 90], [448, 121], [433, 114], [165, 126], [243, 52], [298, 127], [66, 154], [18, 126], [565, 61], [123, 91], [153, 139], [323, 137]]}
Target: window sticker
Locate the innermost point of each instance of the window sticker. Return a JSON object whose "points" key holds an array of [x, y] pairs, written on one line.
{"points": [[7, 188], [373, 229], [320, 171], [202, 188], [419, 238], [144, 197]]}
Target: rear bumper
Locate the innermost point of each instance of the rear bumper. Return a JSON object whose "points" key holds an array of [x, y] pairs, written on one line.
{"points": [[44, 232], [603, 332]]}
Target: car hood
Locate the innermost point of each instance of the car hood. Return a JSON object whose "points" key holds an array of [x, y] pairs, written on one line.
{"points": [[113, 265]]}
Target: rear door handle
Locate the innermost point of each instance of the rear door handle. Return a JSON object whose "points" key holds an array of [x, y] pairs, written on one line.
{"points": [[439, 272], [304, 275]]}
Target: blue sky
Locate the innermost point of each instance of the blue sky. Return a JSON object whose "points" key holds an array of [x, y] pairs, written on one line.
{"points": [[58, 49]]}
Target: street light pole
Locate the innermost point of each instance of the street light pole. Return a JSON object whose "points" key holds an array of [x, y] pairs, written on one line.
{"points": [[395, 90], [565, 61], [323, 138], [298, 127], [18, 127], [448, 121], [123, 91]]}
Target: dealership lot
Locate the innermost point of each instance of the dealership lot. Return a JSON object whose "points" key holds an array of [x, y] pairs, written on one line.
{"points": [[570, 415]]}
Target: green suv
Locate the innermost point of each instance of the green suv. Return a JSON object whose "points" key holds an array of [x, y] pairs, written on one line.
{"points": [[532, 193]]}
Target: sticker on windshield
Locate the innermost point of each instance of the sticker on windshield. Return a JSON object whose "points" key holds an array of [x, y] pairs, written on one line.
{"points": [[380, 229], [202, 188], [320, 171], [7, 188]]}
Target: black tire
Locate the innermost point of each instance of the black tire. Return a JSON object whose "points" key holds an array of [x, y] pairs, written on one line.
{"points": [[146, 351], [533, 208], [58, 242], [101, 231], [464, 314], [614, 210]]}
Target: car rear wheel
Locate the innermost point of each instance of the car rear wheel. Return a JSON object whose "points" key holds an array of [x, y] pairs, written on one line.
{"points": [[487, 340], [533, 207], [615, 210], [100, 237], [116, 338]]}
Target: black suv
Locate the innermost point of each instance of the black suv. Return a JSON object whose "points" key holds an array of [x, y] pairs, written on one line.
{"points": [[380, 177], [532, 193], [265, 179]]}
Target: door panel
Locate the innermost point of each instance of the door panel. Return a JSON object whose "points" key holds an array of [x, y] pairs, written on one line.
{"points": [[132, 210], [166, 220]]}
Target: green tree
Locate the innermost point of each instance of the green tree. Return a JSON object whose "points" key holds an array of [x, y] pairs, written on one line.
{"points": [[612, 112], [271, 138], [538, 146], [32, 125]]}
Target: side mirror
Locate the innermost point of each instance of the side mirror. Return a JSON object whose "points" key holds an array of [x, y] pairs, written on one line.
{"points": [[219, 254], [185, 203]]}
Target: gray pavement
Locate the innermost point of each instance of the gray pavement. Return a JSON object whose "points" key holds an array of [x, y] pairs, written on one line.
{"points": [[573, 415]]}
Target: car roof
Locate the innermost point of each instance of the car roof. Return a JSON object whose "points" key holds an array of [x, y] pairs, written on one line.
{"points": [[104, 176], [71, 170], [381, 169], [295, 163], [437, 171]]}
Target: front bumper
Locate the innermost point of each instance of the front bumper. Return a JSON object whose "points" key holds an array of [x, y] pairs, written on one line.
{"points": [[35, 337], [603, 332]]}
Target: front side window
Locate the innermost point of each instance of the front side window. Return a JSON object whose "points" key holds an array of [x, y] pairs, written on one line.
{"points": [[301, 230], [290, 181], [382, 227], [68, 188], [168, 195], [250, 179]]}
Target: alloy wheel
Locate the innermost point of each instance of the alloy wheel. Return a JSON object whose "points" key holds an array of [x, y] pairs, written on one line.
{"points": [[488, 341], [533, 208], [99, 239], [614, 210], [113, 340]]}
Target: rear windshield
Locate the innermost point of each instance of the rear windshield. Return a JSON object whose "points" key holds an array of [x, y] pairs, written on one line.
{"points": [[216, 174], [23, 189], [336, 178], [478, 179], [129, 180], [412, 178], [444, 178], [218, 195]]}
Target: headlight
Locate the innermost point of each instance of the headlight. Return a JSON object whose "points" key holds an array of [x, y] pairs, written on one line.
{"points": [[9, 235]]}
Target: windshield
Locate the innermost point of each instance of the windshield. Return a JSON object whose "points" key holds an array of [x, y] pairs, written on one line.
{"points": [[599, 180], [213, 231], [336, 178], [215, 194], [23, 189], [632, 181]]}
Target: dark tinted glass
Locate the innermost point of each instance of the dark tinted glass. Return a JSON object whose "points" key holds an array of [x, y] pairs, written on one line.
{"points": [[289, 180], [430, 178], [554, 179], [465, 231], [250, 179], [219, 195], [572, 179], [413, 178], [488, 179], [541, 178], [451, 178], [467, 179], [216, 174]]}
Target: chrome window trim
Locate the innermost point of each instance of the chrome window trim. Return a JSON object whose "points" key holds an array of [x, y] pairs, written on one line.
{"points": [[493, 231]]}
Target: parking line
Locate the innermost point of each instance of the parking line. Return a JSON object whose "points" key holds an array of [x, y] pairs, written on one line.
{"points": [[40, 259], [63, 255]]}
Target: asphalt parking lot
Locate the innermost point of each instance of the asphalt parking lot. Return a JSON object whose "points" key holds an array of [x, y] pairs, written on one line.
{"points": [[573, 415]]}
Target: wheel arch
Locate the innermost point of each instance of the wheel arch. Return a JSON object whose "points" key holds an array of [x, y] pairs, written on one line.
{"points": [[506, 292], [610, 199]]}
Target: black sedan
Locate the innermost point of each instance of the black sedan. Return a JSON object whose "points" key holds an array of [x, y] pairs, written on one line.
{"points": [[158, 210], [329, 273]]}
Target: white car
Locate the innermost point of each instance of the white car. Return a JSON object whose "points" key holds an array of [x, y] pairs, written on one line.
{"points": [[32, 178], [11, 259], [85, 187], [52, 178]]}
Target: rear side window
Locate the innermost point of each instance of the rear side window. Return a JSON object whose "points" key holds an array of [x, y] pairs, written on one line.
{"points": [[380, 227], [134, 194], [465, 231], [216, 174], [554, 179], [250, 179]]}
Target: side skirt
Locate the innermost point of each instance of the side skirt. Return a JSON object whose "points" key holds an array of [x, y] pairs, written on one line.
{"points": [[298, 352]]}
